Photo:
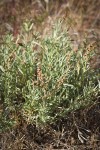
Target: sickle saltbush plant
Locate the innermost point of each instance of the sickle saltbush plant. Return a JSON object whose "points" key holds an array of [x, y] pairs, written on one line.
{"points": [[44, 79]]}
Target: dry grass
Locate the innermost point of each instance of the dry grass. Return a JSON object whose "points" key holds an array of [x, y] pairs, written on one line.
{"points": [[79, 130]]}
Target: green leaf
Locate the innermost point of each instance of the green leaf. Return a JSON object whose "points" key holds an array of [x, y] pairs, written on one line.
{"points": [[2, 69]]}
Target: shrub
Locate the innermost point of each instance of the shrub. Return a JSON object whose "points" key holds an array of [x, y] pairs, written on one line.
{"points": [[44, 79]]}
